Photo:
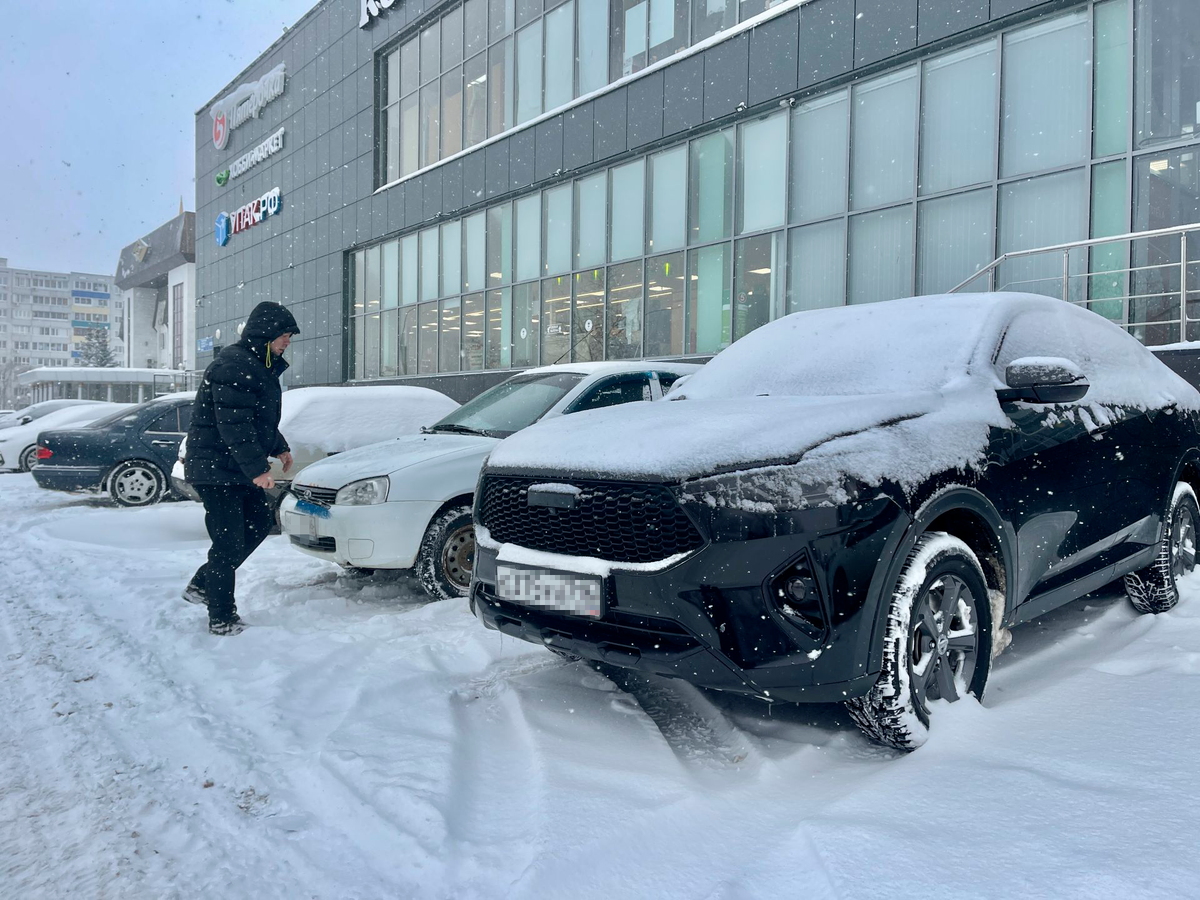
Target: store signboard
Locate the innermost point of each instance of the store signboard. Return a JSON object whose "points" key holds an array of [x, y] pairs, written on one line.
{"points": [[248, 161], [243, 103], [371, 9], [247, 216]]}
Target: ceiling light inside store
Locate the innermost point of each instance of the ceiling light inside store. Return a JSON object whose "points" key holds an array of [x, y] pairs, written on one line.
{"points": [[1160, 165]]}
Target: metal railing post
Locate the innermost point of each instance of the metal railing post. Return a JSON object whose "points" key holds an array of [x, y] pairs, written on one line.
{"points": [[1183, 269], [1066, 278]]}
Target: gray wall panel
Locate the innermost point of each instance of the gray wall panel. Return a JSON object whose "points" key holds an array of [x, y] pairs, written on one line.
{"points": [[495, 161], [774, 48], [414, 201], [452, 191], [683, 95], [378, 218], [645, 110], [472, 178], [433, 193], [937, 19], [548, 148], [1008, 7], [577, 137], [610, 124], [883, 28], [826, 40], [521, 159], [726, 76]]}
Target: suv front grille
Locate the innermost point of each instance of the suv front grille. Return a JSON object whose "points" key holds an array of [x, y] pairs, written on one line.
{"points": [[634, 523], [321, 495]]}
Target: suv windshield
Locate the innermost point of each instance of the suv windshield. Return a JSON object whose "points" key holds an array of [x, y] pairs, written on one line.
{"points": [[509, 406]]}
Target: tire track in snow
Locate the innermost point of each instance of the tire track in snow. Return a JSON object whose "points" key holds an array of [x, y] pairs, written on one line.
{"points": [[145, 689], [498, 786], [698, 732]]}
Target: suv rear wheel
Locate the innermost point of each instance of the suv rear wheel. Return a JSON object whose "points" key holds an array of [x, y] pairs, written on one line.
{"points": [[447, 554], [1155, 589], [28, 459], [937, 642]]}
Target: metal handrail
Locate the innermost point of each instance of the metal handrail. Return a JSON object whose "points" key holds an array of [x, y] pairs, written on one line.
{"points": [[1180, 230]]}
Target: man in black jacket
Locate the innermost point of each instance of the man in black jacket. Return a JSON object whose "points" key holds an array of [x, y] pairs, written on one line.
{"points": [[234, 429]]}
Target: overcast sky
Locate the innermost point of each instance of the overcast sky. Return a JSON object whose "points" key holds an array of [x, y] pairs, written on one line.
{"points": [[97, 101]]}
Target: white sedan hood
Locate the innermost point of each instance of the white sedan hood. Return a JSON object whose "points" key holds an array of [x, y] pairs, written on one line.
{"points": [[390, 457]]}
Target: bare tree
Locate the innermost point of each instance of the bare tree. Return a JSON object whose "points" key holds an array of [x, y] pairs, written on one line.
{"points": [[13, 395]]}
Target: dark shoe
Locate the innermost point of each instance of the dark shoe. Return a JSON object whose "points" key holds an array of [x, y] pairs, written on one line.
{"points": [[226, 627], [195, 594]]}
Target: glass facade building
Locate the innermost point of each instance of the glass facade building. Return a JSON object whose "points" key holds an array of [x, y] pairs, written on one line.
{"points": [[604, 179]]}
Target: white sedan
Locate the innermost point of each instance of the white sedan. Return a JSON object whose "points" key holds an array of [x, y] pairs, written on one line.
{"points": [[406, 503], [18, 445]]}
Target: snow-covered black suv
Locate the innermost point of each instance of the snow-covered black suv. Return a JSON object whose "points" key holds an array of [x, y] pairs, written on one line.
{"points": [[850, 504]]}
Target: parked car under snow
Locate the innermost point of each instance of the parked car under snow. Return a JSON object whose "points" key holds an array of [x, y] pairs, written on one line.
{"points": [[851, 505], [18, 444], [406, 504], [322, 421], [127, 453]]}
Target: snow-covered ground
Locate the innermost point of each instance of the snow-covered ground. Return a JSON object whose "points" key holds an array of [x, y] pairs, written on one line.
{"points": [[359, 742]]}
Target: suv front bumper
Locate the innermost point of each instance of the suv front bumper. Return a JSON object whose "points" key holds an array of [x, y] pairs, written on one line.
{"points": [[711, 619]]}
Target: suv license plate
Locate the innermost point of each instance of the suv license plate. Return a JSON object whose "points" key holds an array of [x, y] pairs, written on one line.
{"points": [[580, 595]]}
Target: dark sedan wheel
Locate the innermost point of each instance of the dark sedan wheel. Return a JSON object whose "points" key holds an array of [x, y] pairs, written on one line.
{"points": [[937, 646], [28, 459], [1155, 589], [447, 555], [137, 483]]}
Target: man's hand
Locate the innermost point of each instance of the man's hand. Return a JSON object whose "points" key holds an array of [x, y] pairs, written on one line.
{"points": [[286, 458], [265, 481]]}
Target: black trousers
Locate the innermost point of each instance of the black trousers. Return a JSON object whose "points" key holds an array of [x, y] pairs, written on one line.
{"points": [[238, 519]]}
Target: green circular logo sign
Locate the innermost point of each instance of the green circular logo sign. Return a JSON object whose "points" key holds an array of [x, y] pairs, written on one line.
{"points": [[222, 177]]}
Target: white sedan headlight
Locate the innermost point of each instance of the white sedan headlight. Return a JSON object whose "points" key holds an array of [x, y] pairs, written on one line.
{"points": [[367, 492]]}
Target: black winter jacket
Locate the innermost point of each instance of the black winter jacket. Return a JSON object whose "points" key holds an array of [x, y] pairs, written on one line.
{"points": [[235, 420]]}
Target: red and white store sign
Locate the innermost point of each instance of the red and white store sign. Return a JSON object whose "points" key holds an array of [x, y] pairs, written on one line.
{"points": [[255, 211]]}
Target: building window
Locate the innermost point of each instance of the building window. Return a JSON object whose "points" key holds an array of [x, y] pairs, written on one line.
{"points": [[1167, 70], [910, 181], [1046, 127]]}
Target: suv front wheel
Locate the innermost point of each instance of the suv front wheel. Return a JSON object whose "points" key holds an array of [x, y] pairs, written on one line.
{"points": [[937, 642]]}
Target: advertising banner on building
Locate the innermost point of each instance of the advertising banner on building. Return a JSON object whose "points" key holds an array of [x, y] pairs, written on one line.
{"points": [[243, 103]]}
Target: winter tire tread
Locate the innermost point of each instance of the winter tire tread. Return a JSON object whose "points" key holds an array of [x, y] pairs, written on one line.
{"points": [[887, 713]]}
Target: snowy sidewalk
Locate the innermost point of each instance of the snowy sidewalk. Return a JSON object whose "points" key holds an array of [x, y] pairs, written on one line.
{"points": [[358, 742]]}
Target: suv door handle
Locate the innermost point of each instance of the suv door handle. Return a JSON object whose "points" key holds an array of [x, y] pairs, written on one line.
{"points": [[163, 444]]}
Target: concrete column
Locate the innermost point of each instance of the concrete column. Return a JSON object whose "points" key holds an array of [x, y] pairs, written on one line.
{"points": [[141, 393], [79, 391], [110, 393]]}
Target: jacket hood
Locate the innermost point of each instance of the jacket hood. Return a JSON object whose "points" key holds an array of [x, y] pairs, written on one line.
{"points": [[389, 457], [268, 321]]}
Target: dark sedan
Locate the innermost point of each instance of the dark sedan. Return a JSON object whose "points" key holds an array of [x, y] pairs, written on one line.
{"points": [[128, 454], [851, 505]]}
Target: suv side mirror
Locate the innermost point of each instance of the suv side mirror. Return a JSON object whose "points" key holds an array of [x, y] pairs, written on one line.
{"points": [[1043, 379], [25, 420]]}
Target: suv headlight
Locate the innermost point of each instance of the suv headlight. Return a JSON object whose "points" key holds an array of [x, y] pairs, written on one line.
{"points": [[367, 492]]}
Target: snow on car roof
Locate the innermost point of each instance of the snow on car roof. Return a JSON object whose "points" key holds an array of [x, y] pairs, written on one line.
{"points": [[336, 419], [897, 390], [616, 367]]}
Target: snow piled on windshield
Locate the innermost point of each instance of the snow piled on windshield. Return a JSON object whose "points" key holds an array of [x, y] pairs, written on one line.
{"points": [[332, 420]]}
